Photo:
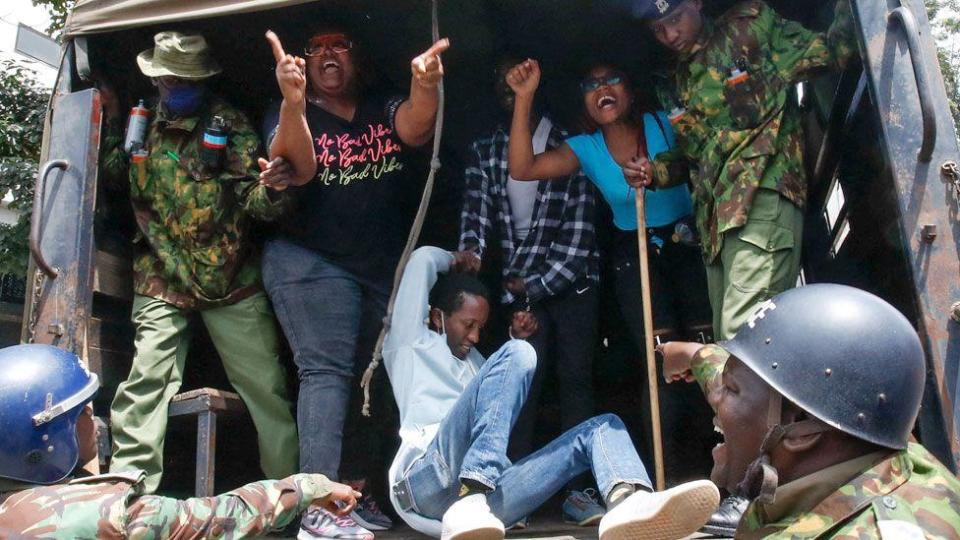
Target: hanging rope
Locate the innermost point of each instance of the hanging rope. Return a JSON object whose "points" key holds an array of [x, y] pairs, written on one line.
{"points": [[414, 231]]}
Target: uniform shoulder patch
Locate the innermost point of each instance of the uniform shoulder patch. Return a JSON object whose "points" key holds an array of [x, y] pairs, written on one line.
{"points": [[894, 529]]}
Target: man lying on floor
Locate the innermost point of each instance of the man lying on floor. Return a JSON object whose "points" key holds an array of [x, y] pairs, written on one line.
{"points": [[451, 477]]}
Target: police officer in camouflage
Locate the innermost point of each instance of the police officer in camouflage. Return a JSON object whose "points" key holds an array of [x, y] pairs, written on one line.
{"points": [[45, 416], [816, 396], [194, 189], [731, 101]]}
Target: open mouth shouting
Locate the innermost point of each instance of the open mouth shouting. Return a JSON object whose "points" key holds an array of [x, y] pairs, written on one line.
{"points": [[606, 102], [330, 66]]}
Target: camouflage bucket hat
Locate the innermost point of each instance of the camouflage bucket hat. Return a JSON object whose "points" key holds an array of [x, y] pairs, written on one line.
{"points": [[179, 55]]}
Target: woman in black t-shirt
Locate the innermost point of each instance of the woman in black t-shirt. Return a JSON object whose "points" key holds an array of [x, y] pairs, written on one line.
{"points": [[329, 271]]}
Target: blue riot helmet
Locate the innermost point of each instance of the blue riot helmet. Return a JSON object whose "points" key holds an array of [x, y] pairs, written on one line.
{"points": [[43, 390]]}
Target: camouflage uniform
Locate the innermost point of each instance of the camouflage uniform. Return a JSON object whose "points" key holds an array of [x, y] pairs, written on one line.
{"points": [[192, 253], [192, 221], [114, 506], [891, 494], [736, 118]]}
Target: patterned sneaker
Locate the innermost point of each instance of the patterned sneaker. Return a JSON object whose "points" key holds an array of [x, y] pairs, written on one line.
{"points": [[368, 515], [319, 523], [583, 508]]}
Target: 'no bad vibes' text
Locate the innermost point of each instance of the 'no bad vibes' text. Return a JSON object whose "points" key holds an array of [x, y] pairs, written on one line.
{"points": [[348, 158]]}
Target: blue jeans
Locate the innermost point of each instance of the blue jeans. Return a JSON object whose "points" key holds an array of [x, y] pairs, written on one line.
{"points": [[331, 319], [472, 443]]}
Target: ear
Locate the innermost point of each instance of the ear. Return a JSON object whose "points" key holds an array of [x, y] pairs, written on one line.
{"points": [[801, 443], [798, 443], [435, 319]]}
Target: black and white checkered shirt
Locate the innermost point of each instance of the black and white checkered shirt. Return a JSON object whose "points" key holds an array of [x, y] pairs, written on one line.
{"points": [[560, 248]]}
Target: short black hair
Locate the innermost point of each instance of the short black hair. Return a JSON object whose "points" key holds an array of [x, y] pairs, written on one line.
{"points": [[448, 294]]}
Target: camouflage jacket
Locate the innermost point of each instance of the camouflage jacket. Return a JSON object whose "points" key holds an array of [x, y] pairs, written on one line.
{"points": [[905, 495], [192, 249], [731, 106], [112, 506]]}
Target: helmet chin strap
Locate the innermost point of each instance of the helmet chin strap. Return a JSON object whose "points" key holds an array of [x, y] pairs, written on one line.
{"points": [[443, 326], [762, 478]]}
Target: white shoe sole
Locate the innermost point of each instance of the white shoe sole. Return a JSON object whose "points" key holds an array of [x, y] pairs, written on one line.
{"points": [[680, 515], [592, 520], [366, 524], [480, 533]]}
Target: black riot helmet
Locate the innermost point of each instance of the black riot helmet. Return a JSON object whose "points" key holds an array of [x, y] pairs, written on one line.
{"points": [[841, 354]]}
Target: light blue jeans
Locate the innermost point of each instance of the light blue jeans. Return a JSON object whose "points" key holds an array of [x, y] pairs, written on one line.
{"points": [[472, 444]]}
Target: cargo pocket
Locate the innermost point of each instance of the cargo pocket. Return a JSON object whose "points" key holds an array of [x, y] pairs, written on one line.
{"points": [[762, 260], [430, 485]]}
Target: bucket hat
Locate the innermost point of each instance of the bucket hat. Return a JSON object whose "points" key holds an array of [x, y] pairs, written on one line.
{"points": [[180, 55]]}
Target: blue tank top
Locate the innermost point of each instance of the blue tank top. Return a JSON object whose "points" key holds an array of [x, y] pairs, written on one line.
{"points": [[664, 206]]}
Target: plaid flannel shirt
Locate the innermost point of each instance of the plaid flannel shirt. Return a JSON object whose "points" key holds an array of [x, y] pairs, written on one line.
{"points": [[561, 245]]}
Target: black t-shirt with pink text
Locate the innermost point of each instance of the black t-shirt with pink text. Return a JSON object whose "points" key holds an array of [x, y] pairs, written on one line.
{"points": [[353, 212]]}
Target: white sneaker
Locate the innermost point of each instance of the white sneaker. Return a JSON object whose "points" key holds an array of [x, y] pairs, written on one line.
{"points": [[470, 519], [675, 513]]}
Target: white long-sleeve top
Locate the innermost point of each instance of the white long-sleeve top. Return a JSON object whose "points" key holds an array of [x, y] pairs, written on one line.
{"points": [[426, 377]]}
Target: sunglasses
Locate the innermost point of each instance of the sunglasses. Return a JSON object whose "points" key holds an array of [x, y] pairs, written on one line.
{"points": [[592, 83], [338, 43]]}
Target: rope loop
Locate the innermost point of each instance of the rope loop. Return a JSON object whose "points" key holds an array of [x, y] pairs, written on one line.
{"points": [[414, 234]]}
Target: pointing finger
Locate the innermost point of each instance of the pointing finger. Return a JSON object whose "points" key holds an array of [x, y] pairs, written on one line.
{"points": [[275, 45], [437, 47]]}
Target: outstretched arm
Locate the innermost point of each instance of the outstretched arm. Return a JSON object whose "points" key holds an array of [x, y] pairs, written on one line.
{"points": [[292, 141], [252, 510], [799, 53], [524, 78], [416, 116], [685, 361]]}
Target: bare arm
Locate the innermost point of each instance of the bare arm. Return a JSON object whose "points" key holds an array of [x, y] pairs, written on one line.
{"points": [[416, 116], [292, 140], [524, 79]]}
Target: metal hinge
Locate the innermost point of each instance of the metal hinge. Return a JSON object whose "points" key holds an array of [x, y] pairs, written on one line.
{"points": [[950, 173]]}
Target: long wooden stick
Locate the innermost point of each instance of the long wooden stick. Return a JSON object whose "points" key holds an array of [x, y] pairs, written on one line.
{"points": [[652, 377]]}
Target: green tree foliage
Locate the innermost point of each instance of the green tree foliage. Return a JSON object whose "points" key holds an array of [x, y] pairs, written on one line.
{"points": [[945, 19], [22, 108], [58, 10]]}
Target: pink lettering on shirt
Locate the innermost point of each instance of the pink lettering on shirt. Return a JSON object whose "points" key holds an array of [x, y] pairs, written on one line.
{"points": [[348, 158]]}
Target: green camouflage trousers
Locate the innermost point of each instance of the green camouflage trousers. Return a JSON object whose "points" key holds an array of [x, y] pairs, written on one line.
{"points": [[246, 339], [757, 261]]}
